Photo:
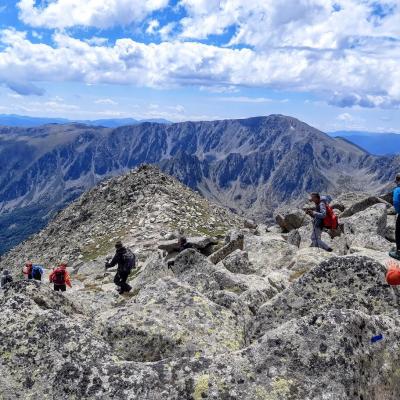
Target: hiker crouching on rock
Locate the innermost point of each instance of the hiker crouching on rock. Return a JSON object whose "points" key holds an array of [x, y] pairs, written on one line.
{"points": [[126, 262], [60, 278], [318, 215]]}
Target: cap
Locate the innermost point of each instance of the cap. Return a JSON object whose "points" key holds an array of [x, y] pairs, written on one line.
{"points": [[118, 244]]}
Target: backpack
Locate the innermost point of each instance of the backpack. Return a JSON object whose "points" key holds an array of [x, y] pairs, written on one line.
{"points": [[7, 279], [36, 272], [59, 277], [331, 220], [129, 261]]}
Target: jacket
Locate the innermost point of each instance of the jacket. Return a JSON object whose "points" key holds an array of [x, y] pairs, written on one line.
{"points": [[396, 199], [67, 276], [118, 259]]}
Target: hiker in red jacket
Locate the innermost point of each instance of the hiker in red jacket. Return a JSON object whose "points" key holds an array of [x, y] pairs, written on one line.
{"points": [[60, 278]]}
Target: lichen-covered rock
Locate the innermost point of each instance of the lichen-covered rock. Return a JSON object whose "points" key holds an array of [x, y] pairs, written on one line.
{"points": [[294, 238], [290, 219], [238, 262], [350, 282], [362, 205], [169, 319]]}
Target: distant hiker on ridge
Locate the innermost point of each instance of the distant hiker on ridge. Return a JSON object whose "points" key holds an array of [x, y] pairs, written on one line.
{"points": [[6, 278], [60, 278], [126, 262], [318, 215], [396, 204]]}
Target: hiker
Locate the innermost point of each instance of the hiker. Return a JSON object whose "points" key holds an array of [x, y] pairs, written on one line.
{"points": [[396, 204], [60, 278], [318, 215], [6, 278], [27, 270], [37, 272], [126, 262]]}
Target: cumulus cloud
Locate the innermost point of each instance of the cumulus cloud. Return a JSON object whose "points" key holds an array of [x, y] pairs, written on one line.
{"points": [[345, 51], [96, 13]]}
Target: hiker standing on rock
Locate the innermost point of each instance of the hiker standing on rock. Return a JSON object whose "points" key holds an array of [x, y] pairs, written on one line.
{"points": [[126, 262], [396, 204], [318, 215], [60, 278], [6, 278]]}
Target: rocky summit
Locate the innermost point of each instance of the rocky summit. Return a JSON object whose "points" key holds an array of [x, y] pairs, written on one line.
{"points": [[246, 313]]}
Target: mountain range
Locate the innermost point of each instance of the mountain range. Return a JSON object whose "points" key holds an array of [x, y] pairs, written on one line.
{"points": [[377, 143], [251, 166], [26, 121]]}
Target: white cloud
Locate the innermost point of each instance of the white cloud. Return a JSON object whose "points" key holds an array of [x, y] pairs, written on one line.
{"points": [[97, 41], [96, 13], [152, 27], [245, 99], [338, 50], [106, 101], [219, 89], [345, 117]]}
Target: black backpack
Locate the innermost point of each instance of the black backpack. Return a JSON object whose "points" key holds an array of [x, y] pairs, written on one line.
{"points": [[129, 261]]}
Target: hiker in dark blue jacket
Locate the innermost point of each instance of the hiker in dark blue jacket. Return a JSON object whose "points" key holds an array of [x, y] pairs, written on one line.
{"points": [[396, 204]]}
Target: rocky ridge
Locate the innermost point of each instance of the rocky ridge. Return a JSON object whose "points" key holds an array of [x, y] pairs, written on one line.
{"points": [[276, 320]]}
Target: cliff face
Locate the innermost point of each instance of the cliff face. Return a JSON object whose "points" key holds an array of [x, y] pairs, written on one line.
{"points": [[250, 165]]}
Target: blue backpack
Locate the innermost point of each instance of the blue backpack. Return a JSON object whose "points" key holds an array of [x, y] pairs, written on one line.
{"points": [[37, 271]]}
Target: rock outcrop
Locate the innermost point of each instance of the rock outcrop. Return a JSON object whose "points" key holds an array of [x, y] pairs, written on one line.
{"points": [[264, 317]]}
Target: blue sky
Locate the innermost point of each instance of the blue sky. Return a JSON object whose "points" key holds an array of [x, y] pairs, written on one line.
{"points": [[333, 64]]}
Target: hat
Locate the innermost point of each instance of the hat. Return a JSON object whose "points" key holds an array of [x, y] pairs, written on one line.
{"points": [[118, 244]]}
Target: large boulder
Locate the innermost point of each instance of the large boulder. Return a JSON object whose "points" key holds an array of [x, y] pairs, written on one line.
{"points": [[370, 221], [346, 200], [362, 205], [238, 262], [290, 219], [233, 242], [170, 319], [350, 282]]}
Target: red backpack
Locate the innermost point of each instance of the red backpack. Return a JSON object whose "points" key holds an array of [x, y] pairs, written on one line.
{"points": [[59, 277], [331, 220]]}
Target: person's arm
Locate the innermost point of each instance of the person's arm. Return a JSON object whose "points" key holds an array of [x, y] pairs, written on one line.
{"points": [[113, 262], [322, 211], [68, 279], [396, 200]]}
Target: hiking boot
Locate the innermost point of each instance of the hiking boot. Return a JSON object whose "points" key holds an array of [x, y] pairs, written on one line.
{"points": [[329, 250], [395, 254]]}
